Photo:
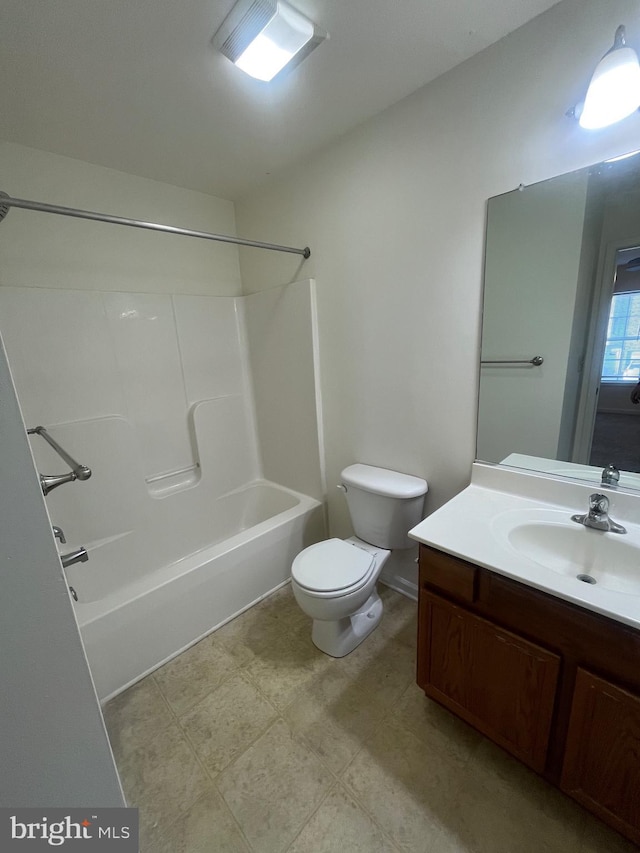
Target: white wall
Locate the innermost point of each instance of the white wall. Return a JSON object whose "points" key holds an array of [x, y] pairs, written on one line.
{"points": [[394, 214]]}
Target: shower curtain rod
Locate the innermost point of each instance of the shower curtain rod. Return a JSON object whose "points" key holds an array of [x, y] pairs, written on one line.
{"points": [[6, 201]]}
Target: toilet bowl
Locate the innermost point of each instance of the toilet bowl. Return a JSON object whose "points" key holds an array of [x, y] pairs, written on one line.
{"points": [[334, 582]]}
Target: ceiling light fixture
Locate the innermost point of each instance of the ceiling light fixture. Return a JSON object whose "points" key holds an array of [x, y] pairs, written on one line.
{"points": [[614, 90], [265, 37]]}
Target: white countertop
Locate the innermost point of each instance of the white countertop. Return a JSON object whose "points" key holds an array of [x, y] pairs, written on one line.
{"points": [[468, 527]]}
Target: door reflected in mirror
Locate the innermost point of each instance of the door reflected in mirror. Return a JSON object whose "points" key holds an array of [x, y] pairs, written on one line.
{"points": [[562, 281]]}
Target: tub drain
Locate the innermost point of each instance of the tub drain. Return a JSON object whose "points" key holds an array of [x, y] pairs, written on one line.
{"points": [[586, 579]]}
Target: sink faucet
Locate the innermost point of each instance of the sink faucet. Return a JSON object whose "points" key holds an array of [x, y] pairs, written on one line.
{"points": [[610, 476], [598, 515]]}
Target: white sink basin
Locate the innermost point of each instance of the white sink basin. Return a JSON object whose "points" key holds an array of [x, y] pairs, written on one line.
{"points": [[518, 524], [550, 539]]}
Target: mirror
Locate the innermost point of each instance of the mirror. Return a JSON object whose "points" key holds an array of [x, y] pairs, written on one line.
{"points": [[560, 353]]}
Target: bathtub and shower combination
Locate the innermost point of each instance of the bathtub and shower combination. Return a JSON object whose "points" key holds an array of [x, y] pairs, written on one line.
{"points": [[182, 528], [157, 608], [183, 522], [172, 554], [175, 399]]}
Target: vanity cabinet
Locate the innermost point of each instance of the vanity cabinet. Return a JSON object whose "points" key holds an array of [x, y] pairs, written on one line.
{"points": [[554, 684]]}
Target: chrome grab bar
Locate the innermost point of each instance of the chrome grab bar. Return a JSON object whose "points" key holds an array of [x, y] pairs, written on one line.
{"points": [[48, 482], [81, 471], [536, 361]]}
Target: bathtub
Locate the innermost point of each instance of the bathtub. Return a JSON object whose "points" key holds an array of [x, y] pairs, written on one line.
{"points": [[130, 631]]}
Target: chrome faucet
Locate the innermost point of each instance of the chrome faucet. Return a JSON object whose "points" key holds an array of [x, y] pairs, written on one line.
{"points": [[78, 556], [610, 476], [598, 515]]}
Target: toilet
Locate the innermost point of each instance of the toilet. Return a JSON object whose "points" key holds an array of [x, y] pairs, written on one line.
{"points": [[334, 582]]}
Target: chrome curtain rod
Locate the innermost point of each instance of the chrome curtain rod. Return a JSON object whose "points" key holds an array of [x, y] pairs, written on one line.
{"points": [[6, 201]]}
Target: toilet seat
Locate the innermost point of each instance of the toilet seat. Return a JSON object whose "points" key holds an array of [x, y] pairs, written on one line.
{"points": [[332, 566]]}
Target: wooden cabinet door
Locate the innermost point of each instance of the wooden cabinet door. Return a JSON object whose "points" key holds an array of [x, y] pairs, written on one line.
{"points": [[498, 682], [601, 767]]}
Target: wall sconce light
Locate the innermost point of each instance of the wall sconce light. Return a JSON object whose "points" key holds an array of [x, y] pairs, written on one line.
{"points": [[265, 37], [614, 90]]}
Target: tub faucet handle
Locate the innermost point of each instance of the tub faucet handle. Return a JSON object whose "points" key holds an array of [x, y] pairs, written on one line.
{"points": [[49, 482], [58, 533]]}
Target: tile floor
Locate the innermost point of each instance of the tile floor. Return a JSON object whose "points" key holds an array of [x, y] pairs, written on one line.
{"points": [[253, 740]]}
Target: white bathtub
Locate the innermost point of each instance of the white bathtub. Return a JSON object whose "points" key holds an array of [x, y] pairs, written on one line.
{"points": [[130, 631]]}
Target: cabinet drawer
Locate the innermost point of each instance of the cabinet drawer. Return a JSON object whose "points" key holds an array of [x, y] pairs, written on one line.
{"points": [[448, 574]]}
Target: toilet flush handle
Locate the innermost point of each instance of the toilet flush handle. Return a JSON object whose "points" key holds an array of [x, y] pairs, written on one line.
{"points": [[342, 487]]}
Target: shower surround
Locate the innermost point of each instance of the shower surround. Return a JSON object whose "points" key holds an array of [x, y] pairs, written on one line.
{"points": [[193, 511]]}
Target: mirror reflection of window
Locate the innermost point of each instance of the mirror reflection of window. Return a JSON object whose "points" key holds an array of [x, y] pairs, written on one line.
{"points": [[616, 429], [621, 362], [622, 350]]}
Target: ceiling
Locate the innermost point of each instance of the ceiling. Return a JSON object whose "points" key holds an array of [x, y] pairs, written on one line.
{"points": [[135, 84]]}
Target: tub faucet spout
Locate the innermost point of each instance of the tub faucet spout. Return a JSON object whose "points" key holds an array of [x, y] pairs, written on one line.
{"points": [[78, 556]]}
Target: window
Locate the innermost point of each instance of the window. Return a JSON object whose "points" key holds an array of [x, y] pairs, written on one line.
{"points": [[622, 351]]}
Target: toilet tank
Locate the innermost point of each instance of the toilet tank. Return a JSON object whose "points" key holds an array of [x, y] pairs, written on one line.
{"points": [[384, 505]]}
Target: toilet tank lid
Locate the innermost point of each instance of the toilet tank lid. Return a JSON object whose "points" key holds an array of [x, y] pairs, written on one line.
{"points": [[382, 481]]}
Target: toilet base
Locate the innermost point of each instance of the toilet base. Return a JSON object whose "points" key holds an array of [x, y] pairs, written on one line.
{"points": [[342, 636]]}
